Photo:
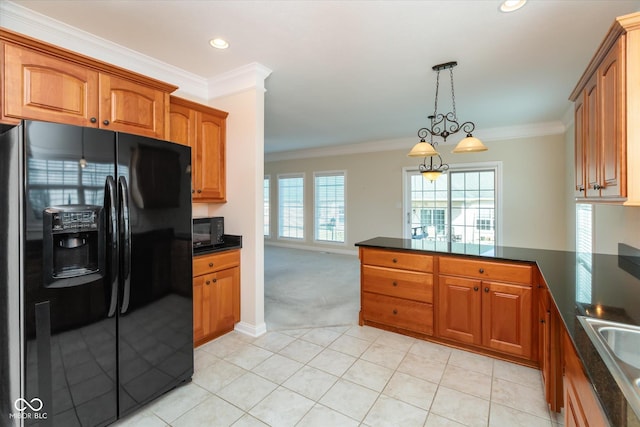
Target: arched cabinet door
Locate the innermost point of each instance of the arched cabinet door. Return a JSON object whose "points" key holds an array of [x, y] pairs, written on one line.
{"points": [[41, 87]]}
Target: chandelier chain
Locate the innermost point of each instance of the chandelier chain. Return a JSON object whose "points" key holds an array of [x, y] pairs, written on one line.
{"points": [[453, 95], [435, 111]]}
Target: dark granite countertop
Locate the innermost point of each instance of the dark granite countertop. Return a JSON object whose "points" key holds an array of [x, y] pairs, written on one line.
{"points": [[609, 290], [230, 242]]}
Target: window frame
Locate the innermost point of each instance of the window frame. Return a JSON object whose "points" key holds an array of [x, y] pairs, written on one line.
{"points": [[317, 174], [304, 222], [408, 171]]}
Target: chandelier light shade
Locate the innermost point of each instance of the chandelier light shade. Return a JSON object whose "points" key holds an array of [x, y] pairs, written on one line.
{"points": [[443, 126], [469, 144], [423, 149]]}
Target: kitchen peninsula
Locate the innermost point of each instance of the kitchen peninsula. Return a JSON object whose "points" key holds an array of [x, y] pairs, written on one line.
{"points": [[514, 303]]}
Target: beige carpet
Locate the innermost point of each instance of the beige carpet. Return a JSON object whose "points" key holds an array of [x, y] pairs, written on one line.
{"points": [[309, 288]]}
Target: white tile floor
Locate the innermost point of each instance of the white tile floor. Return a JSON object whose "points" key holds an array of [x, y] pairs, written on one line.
{"points": [[347, 376]]}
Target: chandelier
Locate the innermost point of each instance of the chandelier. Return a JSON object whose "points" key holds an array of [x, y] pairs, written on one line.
{"points": [[443, 126]]}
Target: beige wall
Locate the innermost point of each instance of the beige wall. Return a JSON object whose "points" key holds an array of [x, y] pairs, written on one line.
{"points": [[533, 196], [245, 163]]}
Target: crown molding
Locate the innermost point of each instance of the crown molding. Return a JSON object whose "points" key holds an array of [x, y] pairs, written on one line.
{"points": [[249, 76], [521, 131], [25, 21], [493, 134]]}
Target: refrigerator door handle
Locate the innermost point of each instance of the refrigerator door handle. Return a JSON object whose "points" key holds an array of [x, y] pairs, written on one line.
{"points": [[112, 233], [125, 230]]}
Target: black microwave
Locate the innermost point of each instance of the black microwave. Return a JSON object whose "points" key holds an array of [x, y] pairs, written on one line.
{"points": [[208, 232]]}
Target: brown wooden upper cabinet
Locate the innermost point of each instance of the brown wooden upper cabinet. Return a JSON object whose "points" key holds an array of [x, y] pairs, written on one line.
{"points": [[44, 82], [204, 130], [607, 143]]}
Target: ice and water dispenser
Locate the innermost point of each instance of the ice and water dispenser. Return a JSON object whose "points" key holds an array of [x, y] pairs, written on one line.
{"points": [[73, 245]]}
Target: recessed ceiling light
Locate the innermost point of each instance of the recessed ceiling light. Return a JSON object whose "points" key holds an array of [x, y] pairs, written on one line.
{"points": [[511, 5], [219, 43]]}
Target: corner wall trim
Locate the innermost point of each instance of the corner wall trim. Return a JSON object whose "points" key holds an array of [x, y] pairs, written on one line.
{"points": [[251, 330]]}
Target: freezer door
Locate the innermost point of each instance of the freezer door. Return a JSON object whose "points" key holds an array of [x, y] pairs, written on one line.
{"points": [[10, 272], [69, 333], [155, 306]]}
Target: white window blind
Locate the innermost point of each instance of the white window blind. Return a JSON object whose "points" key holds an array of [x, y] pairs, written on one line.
{"points": [[584, 249], [266, 198], [291, 206], [329, 207]]}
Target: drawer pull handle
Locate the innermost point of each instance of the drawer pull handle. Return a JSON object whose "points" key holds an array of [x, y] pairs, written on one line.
{"points": [[215, 280], [395, 260], [395, 283], [210, 264], [481, 270], [105, 122], [207, 282], [93, 120], [486, 289], [395, 311], [475, 288]]}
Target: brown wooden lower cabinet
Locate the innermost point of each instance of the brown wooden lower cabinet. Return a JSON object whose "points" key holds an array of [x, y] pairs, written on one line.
{"points": [[486, 306], [550, 348], [398, 312], [581, 405], [397, 291], [477, 306], [216, 295]]}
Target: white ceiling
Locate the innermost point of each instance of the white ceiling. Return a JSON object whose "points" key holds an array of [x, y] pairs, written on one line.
{"points": [[346, 72]]}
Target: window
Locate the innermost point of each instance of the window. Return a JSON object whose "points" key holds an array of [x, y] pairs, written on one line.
{"points": [[291, 206], [329, 207], [266, 189], [458, 208], [584, 249]]}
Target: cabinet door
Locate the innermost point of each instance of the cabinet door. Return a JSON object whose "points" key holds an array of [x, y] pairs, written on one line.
{"points": [[182, 130], [201, 310], [592, 147], [612, 122], [582, 408], [459, 314], [579, 153], [224, 308], [210, 171], [506, 318], [544, 343], [40, 87], [129, 107]]}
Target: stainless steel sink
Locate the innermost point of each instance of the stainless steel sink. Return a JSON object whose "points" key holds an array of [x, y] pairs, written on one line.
{"points": [[619, 346]]}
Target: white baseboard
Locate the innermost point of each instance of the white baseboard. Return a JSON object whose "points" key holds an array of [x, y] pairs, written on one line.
{"points": [[312, 248], [251, 330]]}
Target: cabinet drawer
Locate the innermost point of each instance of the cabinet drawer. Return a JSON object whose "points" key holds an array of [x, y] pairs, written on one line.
{"points": [[204, 264], [484, 270], [398, 283], [401, 260], [398, 312]]}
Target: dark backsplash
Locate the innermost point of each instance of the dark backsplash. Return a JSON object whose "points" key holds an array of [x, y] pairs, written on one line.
{"points": [[629, 259]]}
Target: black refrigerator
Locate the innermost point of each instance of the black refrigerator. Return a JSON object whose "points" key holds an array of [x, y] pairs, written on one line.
{"points": [[95, 273]]}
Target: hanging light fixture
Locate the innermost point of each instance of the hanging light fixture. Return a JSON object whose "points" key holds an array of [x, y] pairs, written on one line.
{"points": [[82, 162], [434, 169], [442, 126]]}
